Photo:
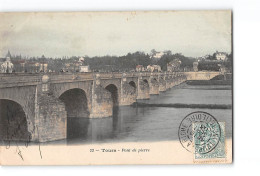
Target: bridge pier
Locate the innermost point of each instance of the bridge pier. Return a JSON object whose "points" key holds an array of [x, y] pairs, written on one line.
{"points": [[143, 88], [162, 84], [128, 92], [168, 82], [154, 86], [50, 115], [51, 120], [102, 100], [176, 81]]}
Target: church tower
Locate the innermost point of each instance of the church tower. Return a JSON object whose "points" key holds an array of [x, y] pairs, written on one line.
{"points": [[8, 54]]}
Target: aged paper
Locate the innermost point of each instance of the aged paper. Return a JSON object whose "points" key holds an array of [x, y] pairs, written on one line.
{"points": [[102, 88]]}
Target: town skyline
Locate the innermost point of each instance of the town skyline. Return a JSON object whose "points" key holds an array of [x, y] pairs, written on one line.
{"points": [[138, 61], [24, 56]]}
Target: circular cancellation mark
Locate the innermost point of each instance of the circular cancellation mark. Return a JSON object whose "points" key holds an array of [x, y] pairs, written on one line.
{"points": [[206, 132]]}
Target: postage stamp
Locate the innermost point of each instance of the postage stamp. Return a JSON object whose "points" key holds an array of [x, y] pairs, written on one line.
{"points": [[209, 140], [201, 134], [186, 132]]}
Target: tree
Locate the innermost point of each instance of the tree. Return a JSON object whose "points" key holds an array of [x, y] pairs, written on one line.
{"points": [[153, 52], [186, 62], [168, 52]]}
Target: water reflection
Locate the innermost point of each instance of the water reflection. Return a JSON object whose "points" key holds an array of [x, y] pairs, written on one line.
{"points": [[132, 123], [109, 129]]}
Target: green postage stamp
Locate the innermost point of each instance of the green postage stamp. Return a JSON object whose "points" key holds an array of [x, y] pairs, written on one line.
{"points": [[209, 140]]}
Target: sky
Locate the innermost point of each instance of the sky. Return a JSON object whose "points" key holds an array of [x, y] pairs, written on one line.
{"points": [[192, 33]]}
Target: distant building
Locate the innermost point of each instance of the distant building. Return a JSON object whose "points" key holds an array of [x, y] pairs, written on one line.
{"points": [[174, 65], [76, 66], [32, 67], [43, 67], [154, 68], [158, 55], [8, 55], [221, 56], [84, 68], [139, 68], [81, 66], [36, 67], [7, 66], [19, 65], [81, 59], [2, 60], [71, 67], [195, 66]]}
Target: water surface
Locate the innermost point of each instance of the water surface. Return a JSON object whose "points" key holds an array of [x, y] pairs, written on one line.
{"points": [[133, 123]]}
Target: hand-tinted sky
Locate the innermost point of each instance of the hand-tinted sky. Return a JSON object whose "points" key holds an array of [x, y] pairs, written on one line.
{"points": [[192, 33]]}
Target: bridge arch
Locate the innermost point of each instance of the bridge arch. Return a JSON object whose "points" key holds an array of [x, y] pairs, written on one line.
{"points": [[113, 90], [154, 79], [132, 83], [134, 86], [143, 89], [146, 82], [145, 85], [13, 122], [76, 102]]}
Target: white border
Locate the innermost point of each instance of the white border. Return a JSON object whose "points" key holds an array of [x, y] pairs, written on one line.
{"points": [[246, 15]]}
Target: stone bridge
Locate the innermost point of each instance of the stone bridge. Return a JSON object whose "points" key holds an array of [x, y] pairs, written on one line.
{"points": [[35, 107]]}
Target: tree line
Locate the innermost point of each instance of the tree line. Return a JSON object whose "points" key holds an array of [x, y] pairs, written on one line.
{"points": [[126, 62]]}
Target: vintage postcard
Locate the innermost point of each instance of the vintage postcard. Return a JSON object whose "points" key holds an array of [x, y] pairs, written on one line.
{"points": [[106, 88]]}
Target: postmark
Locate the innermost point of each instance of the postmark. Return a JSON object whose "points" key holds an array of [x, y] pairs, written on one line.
{"points": [[210, 137]]}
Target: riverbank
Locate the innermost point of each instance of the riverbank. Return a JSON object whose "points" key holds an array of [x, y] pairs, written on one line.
{"points": [[209, 82], [180, 105]]}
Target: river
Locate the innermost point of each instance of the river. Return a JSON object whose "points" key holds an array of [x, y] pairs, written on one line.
{"points": [[135, 123]]}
